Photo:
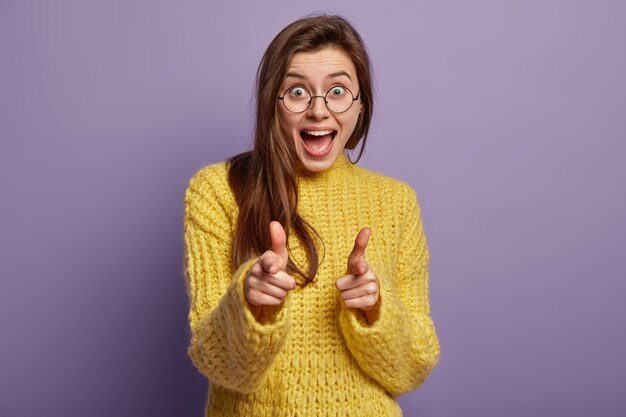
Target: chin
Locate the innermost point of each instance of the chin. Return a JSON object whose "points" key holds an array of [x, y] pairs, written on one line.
{"points": [[317, 164]]}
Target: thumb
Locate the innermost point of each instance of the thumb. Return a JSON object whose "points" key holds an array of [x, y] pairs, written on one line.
{"points": [[358, 252], [279, 242]]}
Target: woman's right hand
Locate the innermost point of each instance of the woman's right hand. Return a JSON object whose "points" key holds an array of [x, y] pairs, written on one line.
{"points": [[268, 283]]}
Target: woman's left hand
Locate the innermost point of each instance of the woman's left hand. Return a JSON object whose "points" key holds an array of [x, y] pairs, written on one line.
{"points": [[359, 289]]}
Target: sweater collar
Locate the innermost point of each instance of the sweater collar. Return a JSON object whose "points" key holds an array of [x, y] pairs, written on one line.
{"points": [[340, 168]]}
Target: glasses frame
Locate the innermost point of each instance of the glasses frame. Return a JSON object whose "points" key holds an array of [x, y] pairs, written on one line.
{"points": [[324, 97]]}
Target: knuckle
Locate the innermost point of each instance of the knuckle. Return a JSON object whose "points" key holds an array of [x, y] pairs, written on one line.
{"points": [[253, 297], [273, 301], [250, 280], [258, 279]]}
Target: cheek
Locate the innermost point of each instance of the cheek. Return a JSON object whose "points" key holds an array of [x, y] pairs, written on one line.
{"points": [[286, 120], [351, 121]]}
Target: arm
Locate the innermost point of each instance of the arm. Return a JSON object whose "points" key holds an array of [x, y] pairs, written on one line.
{"points": [[228, 345], [400, 347]]}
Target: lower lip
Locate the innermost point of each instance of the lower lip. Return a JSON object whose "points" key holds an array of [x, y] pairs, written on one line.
{"points": [[321, 154]]}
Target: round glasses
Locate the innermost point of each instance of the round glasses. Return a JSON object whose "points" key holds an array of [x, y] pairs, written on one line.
{"points": [[298, 99]]}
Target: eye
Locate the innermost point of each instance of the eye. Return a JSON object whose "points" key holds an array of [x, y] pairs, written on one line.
{"points": [[297, 92], [337, 91]]}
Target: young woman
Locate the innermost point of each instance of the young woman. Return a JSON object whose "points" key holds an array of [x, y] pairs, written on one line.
{"points": [[307, 275]]}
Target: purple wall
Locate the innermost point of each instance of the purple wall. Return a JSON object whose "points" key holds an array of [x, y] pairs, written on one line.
{"points": [[507, 117]]}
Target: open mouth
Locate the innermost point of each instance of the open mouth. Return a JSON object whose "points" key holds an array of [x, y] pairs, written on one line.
{"points": [[318, 142]]}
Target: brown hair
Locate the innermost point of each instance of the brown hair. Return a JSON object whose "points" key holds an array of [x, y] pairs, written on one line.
{"points": [[264, 180]]}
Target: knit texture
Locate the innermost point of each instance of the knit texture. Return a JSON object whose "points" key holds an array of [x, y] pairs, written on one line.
{"points": [[313, 356]]}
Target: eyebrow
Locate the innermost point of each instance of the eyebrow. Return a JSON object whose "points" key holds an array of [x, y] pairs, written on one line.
{"points": [[303, 77], [339, 74]]}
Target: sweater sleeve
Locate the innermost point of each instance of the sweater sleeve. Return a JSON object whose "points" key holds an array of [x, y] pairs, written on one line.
{"points": [[228, 345], [401, 347]]}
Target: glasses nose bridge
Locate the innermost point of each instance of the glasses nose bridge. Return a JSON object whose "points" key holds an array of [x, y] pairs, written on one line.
{"points": [[312, 105]]}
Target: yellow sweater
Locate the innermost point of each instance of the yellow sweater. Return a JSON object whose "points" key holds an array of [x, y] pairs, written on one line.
{"points": [[314, 357]]}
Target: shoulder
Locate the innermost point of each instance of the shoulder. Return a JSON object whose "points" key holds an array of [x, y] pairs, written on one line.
{"points": [[394, 190], [212, 174], [209, 200], [210, 179]]}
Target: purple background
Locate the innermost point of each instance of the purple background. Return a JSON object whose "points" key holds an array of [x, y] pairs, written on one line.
{"points": [[507, 117]]}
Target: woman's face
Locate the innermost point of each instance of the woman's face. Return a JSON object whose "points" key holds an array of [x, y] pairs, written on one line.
{"points": [[319, 135]]}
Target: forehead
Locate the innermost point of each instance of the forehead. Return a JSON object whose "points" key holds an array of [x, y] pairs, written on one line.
{"points": [[322, 62]]}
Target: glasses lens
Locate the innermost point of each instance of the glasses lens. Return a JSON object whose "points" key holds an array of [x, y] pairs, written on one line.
{"points": [[338, 99], [296, 99]]}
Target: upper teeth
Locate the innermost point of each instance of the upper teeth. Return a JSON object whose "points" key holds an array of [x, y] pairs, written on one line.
{"points": [[318, 132]]}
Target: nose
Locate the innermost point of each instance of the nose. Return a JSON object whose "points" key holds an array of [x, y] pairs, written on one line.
{"points": [[317, 109]]}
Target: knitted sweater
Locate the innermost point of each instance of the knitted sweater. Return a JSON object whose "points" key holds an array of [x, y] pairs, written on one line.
{"points": [[313, 356]]}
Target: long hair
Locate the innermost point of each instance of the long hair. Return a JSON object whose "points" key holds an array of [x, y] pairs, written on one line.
{"points": [[264, 180]]}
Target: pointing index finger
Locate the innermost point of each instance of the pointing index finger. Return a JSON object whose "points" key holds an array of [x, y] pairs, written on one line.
{"points": [[360, 243]]}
